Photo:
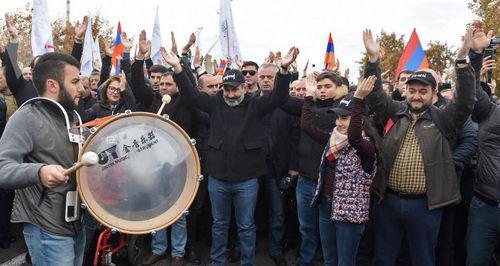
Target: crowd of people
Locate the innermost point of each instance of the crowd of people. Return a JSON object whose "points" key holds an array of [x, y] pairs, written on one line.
{"points": [[378, 173]]}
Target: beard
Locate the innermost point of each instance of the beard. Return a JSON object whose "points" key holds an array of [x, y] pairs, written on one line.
{"points": [[234, 102], [423, 108], [65, 99]]}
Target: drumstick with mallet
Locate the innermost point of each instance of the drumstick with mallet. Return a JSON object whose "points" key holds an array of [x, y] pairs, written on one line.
{"points": [[165, 100], [88, 159]]}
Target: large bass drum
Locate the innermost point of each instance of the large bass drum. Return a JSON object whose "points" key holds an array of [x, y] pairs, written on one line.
{"points": [[147, 176]]}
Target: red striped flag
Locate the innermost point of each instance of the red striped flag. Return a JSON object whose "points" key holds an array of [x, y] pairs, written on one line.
{"points": [[413, 57], [330, 54], [118, 49]]}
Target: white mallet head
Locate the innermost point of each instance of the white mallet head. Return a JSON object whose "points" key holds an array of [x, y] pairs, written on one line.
{"points": [[90, 158], [166, 99]]}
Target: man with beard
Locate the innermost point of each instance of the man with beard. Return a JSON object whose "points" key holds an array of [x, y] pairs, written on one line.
{"points": [[235, 156], [418, 176], [34, 153]]}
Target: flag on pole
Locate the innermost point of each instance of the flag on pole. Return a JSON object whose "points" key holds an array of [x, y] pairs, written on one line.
{"points": [[86, 63], [118, 49], [221, 67], [330, 54], [41, 32], [96, 54], [227, 33], [413, 57], [156, 41]]}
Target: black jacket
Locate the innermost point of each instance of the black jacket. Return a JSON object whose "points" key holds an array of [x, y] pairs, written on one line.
{"points": [[151, 101], [235, 144], [440, 174], [487, 114], [280, 139], [100, 109], [309, 150]]}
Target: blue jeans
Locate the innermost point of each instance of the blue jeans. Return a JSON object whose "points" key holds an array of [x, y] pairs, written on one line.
{"points": [[53, 250], [244, 197], [482, 231], [395, 217], [308, 220], [159, 242], [275, 213], [340, 240]]}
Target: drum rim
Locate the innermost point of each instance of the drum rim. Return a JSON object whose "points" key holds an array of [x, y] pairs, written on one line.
{"points": [[191, 198]]}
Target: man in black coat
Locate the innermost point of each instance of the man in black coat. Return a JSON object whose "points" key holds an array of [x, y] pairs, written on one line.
{"points": [[235, 157]]}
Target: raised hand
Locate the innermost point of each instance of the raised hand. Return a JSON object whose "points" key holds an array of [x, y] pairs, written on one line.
{"points": [[270, 58], [207, 61], [293, 67], [171, 59], [365, 87], [11, 28], [372, 47], [192, 40], [144, 45], [467, 44], [108, 47], [289, 57], [305, 68], [174, 43], [123, 81], [239, 62], [346, 73], [311, 85], [127, 43], [277, 58], [197, 57], [80, 29], [480, 40]]}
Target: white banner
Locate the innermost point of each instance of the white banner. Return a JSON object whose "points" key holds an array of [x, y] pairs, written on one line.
{"points": [[230, 47], [41, 31]]}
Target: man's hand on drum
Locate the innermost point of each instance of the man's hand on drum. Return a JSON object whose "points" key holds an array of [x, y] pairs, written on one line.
{"points": [[171, 59], [52, 176]]}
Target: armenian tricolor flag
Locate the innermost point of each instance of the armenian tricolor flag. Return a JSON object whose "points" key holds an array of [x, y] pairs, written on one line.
{"points": [[118, 49], [413, 57], [330, 54], [221, 67]]}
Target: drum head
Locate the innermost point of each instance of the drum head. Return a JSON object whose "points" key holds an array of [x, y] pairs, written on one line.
{"points": [[147, 174]]}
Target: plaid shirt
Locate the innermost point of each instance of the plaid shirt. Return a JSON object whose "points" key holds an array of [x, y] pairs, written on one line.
{"points": [[407, 175]]}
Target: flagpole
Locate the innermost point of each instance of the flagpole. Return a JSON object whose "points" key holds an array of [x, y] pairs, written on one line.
{"points": [[212, 47]]}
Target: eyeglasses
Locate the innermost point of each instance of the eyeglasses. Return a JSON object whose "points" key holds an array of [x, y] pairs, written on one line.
{"points": [[113, 89], [251, 72]]}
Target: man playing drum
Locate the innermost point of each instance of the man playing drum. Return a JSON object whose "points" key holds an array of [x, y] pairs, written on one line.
{"points": [[34, 152]]}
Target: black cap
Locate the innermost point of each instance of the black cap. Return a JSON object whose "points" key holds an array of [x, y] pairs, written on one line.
{"points": [[344, 107], [424, 77], [233, 77]]}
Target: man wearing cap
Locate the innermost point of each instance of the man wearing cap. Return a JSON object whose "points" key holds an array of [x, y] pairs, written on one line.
{"points": [[418, 175], [235, 156]]}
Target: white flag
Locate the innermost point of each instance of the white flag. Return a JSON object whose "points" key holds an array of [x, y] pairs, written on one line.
{"points": [[156, 41], [41, 32], [227, 33], [96, 54], [86, 64]]}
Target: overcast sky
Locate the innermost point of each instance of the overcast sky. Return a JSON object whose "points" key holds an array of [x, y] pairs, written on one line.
{"points": [[272, 25]]}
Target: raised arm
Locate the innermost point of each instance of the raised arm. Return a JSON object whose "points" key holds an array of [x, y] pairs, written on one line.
{"points": [[142, 93], [483, 105], [383, 105], [187, 91], [306, 119], [365, 148], [80, 29], [463, 104]]}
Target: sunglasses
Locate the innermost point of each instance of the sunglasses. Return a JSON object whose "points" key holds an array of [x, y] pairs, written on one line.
{"points": [[251, 72]]}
